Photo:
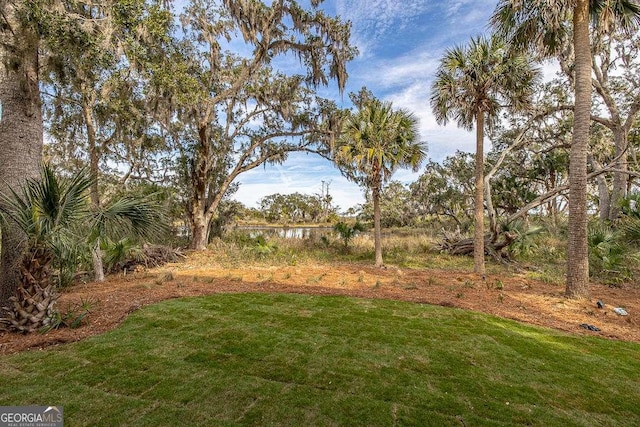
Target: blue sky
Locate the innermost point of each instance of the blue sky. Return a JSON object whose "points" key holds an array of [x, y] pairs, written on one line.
{"points": [[400, 44]]}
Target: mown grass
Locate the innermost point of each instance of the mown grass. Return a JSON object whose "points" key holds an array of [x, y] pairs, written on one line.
{"points": [[293, 360]]}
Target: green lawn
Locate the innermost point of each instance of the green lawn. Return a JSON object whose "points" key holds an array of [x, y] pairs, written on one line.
{"points": [[292, 360]]}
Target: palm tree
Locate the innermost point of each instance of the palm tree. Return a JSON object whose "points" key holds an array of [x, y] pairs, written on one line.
{"points": [[473, 83], [54, 213], [546, 26], [375, 142]]}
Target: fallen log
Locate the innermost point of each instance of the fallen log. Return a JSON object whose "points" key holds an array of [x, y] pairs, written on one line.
{"points": [[148, 256], [493, 246]]}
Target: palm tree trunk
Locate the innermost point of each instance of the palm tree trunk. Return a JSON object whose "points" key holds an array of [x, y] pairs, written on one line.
{"points": [[478, 236], [577, 249], [377, 234], [20, 137], [375, 196]]}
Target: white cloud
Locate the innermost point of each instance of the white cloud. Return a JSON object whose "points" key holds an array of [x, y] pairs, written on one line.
{"points": [[411, 69], [401, 43], [345, 193], [373, 19], [301, 173], [379, 16]]}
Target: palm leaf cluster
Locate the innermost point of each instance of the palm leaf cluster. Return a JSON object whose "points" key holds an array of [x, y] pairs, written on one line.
{"points": [[378, 140], [482, 76], [55, 216], [545, 26], [45, 209]]}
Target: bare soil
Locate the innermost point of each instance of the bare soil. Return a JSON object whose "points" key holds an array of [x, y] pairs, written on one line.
{"points": [[507, 295]]}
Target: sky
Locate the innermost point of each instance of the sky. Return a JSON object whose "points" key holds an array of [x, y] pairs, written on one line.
{"points": [[400, 44]]}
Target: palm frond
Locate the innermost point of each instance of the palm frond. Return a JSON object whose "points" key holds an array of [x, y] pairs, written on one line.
{"points": [[377, 140], [630, 228], [482, 76], [128, 216], [47, 204]]}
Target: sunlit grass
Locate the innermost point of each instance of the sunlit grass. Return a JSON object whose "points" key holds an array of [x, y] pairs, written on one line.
{"points": [[415, 249], [293, 360]]}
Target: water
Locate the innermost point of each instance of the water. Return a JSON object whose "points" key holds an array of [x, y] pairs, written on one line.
{"points": [[288, 232]]}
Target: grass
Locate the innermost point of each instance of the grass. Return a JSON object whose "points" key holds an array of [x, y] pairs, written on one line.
{"points": [[266, 359], [403, 249]]}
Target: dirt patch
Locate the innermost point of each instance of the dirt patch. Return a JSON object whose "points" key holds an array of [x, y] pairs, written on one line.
{"points": [[511, 296]]}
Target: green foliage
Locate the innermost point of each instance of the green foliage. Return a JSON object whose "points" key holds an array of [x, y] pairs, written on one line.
{"points": [[629, 224], [55, 213], [608, 253], [296, 207], [45, 209], [164, 195], [525, 242], [443, 194], [262, 246], [630, 228], [630, 205], [376, 141], [268, 359], [115, 252], [481, 77], [348, 231], [72, 318], [70, 261]]}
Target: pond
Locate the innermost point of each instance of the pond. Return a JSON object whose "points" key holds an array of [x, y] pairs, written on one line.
{"points": [[313, 233], [287, 232]]}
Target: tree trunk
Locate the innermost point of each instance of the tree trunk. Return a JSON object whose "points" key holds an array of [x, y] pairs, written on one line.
{"points": [[20, 136], [98, 268], [620, 178], [199, 230], [491, 211], [198, 209], [377, 234], [553, 203], [94, 194], [94, 154], [478, 236], [604, 202], [577, 249]]}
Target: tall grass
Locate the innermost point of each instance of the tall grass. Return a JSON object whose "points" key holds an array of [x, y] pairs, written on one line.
{"points": [[400, 248]]}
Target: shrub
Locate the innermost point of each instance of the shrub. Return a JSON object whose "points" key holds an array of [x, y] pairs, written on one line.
{"points": [[608, 253], [347, 232]]}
